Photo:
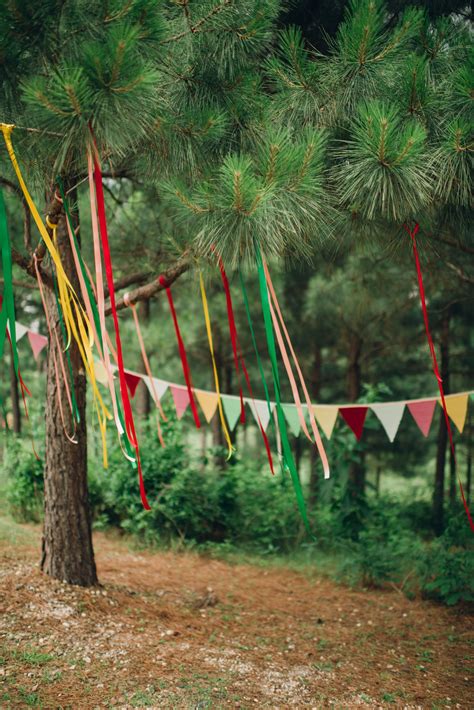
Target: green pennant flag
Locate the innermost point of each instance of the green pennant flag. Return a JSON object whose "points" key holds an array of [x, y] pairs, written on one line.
{"points": [[291, 414], [231, 407]]}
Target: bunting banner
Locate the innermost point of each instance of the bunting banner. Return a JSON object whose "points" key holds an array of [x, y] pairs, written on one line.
{"points": [[390, 414]]}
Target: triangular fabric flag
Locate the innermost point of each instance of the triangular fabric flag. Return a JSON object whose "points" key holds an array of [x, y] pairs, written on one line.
{"points": [[132, 381], [101, 373], [20, 330], [422, 412], [456, 404], [208, 402], [231, 410], [259, 409], [160, 387], [181, 399], [354, 418], [390, 415], [292, 417], [37, 342], [326, 416]]}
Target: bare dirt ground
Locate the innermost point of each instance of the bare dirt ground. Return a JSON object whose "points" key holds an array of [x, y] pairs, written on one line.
{"points": [[180, 631]]}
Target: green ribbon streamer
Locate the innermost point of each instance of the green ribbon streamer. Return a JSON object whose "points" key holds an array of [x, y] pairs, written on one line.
{"points": [[7, 314], [288, 460], [254, 342]]}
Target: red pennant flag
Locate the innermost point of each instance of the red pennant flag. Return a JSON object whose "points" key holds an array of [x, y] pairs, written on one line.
{"points": [[37, 342], [355, 418], [422, 413], [132, 382], [181, 399]]}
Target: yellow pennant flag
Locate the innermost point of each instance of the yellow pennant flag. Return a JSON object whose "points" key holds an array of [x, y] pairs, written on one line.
{"points": [[208, 402], [456, 404], [326, 416]]}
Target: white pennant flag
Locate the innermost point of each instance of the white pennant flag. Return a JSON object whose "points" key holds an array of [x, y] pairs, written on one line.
{"points": [[259, 409], [20, 331], [390, 415], [160, 387]]}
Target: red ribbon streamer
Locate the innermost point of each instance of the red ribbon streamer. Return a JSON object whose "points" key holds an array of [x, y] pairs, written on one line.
{"points": [[239, 360], [233, 334], [413, 234], [129, 423], [182, 352]]}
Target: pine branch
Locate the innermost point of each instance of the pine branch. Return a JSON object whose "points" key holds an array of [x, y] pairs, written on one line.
{"points": [[28, 266], [196, 28], [143, 293]]}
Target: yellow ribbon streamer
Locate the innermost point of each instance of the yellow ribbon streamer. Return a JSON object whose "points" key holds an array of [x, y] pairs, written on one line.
{"points": [[214, 367], [83, 333]]}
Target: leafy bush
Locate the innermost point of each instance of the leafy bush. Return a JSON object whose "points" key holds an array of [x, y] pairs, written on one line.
{"points": [[447, 567], [24, 482]]}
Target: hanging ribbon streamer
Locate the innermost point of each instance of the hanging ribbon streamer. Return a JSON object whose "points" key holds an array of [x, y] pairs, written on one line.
{"points": [[294, 387], [56, 352], [239, 361], [182, 351], [436, 371], [207, 320], [73, 310], [129, 423], [287, 453], [274, 419], [146, 362], [7, 315], [233, 333], [105, 343]]}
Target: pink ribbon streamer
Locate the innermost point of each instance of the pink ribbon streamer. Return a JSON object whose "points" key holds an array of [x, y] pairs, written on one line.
{"points": [[294, 387]]}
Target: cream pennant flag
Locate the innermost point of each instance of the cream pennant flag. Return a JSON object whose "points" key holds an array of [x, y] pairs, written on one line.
{"points": [[456, 404], [259, 409], [101, 373], [292, 417], [160, 387], [390, 415], [208, 402], [20, 330], [231, 407], [326, 416]]}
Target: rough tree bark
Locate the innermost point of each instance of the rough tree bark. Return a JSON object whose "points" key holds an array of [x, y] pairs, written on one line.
{"points": [[67, 537], [438, 494]]}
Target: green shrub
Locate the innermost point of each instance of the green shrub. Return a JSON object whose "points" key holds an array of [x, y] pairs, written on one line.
{"points": [[446, 569], [24, 473]]}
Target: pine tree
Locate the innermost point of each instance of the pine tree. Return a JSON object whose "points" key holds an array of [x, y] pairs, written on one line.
{"points": [[244, 137]]}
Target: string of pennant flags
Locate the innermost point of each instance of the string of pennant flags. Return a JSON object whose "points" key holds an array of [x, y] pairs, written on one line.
{"points": [[388, 413], [82, 320]]}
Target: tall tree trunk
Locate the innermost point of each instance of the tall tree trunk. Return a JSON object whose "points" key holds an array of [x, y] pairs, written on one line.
{"points": [[142, 397], [67, 537], [15, 398], [438, 494], [452, 476], [316, 391], [356, 467]]}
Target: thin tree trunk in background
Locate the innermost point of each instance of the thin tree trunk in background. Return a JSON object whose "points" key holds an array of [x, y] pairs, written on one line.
{"points": [[438, 494], [313, 454], [356, 468], [15, 398], [67, 536], [378, 477], [452, 476], [142, 397], [469, 460]]}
